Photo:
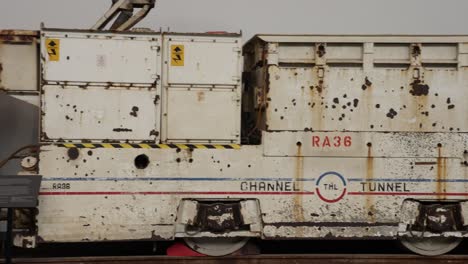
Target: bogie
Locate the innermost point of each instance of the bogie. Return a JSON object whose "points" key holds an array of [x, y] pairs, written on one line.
{"points": [[160, 136]]}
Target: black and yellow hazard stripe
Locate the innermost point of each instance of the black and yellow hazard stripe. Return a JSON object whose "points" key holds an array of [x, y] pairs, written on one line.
{"points": [[148, 146]]}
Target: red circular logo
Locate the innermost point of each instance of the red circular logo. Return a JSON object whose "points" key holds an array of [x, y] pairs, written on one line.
{"points": [[331, 187]]}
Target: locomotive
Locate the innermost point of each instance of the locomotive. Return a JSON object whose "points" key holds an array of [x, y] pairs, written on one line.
{"points": [[155, 136]]}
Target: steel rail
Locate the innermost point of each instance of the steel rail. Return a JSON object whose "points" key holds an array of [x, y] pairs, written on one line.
{"points": [[257, 259]]}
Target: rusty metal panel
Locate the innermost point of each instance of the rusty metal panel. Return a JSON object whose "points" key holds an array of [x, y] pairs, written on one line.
{"points": [[298, 197], [383, 86], [361, 125], [200, 115], [349, 99], [91, 113], [18, 36], [101, 58], [19, 60], [203, 60]]}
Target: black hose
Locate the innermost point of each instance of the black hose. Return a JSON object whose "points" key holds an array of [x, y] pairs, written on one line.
{"points": [[13, 156]]}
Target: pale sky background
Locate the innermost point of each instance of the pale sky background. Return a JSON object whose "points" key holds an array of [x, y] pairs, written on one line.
{"points": [[18, 121], [256, 16]]}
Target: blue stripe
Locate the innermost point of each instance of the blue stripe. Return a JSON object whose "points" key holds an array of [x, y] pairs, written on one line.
{"points": [[171, 179], [331, 173], [240, 179], [406, 180]]}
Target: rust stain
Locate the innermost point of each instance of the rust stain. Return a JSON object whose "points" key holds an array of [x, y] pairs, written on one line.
{"points": [[367, 84], [1, 70], [367, 98], [298, 210], [321, 50], [369, 203], [317, 106], [441, 183], [416, 51], [134, 111], [14, 32], [419, 88], [18, 36], [320, 86], [420, 104], [200, 96]]}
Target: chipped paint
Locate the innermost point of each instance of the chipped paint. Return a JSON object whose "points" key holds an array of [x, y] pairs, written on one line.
{"points": [[409, 96], [298, 178], [353, 143], [441, 173], [19, 61], [419, 89], [370, 206], [100, 175], [18, 36]]}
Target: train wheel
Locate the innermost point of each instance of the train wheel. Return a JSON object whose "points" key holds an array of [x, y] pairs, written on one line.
{"points": [[219, 246], [430, 246]]}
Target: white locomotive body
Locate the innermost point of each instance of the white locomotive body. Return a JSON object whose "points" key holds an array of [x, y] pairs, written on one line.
{"points": [[145, 137]]}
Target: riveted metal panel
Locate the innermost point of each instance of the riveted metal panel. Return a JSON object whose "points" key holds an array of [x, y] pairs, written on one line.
{"points": [[202, 88], [349, 86], [207, 60], [361, 38], [103, 58], [344, 52], [355, 101], [202, 115], [440, 53], [299, 53], [19, 60], [92, 113]]}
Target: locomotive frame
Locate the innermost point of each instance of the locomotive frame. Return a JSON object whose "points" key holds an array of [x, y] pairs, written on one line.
{"points": [[325, 137]]}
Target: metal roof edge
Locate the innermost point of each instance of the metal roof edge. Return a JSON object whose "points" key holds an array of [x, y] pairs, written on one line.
{"points": [[395, 38]]}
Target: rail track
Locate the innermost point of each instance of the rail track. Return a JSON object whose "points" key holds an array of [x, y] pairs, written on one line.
{"points": [[257, 259]]}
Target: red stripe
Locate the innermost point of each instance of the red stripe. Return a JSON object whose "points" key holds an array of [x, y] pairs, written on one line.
{"points": [[248, 193], [176, 193], [330, 200], [408, 194]]}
